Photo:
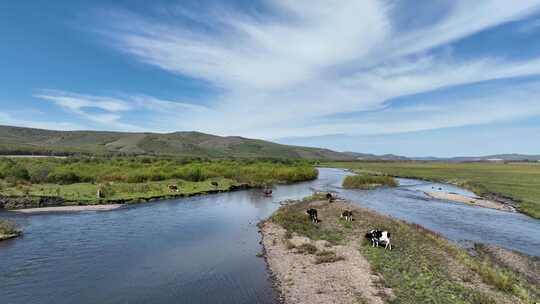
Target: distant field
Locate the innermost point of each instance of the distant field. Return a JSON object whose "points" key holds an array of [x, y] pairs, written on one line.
{"points": [[519, 181]]}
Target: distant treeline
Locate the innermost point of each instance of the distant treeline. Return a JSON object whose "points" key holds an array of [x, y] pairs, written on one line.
{"points": [[142, 169]]}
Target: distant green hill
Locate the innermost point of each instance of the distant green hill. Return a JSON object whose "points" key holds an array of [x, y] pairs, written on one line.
{"points": [[17, 140]]}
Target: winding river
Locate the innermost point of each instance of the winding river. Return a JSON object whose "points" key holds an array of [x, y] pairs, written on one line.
{"points": [[203, 249]]}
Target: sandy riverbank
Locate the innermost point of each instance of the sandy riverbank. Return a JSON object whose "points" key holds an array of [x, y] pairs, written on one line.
{"points": [[475, 201], [70, 208], [303, 278]]}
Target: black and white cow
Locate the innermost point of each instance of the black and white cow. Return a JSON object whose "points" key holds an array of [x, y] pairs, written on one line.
{"points": [[347, 215], [312, 215], [379, 237], [329, 197]]}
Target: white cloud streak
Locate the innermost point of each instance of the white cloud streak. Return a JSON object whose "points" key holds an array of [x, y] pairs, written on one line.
{"points": [[285, 69]]}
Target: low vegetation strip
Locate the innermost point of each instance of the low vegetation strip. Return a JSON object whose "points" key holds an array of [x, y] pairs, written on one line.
{"points": [[26, 183], [8, 230], [517, 181], [364, 181], [422, 268]]}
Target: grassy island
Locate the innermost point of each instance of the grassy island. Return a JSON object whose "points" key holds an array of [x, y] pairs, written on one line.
{"points": [[42, 182], [365, 181], [423, 267]]}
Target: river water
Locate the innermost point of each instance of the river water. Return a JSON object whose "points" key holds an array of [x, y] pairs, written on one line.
{"points": [[203, 249]]}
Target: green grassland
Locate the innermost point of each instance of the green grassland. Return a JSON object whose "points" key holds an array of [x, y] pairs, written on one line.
{"points": [[86, 193], [366, 181], [518, 181], [77, 180], [422, 268]]}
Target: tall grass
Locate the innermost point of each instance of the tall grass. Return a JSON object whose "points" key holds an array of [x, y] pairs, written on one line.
{"points": [[364, 181], [138, 170]]}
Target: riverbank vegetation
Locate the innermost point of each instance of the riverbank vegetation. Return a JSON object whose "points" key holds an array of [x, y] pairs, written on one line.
{"points": [[517, 181], [102, 180], [8, 230], [365, 181], [423, 267]]}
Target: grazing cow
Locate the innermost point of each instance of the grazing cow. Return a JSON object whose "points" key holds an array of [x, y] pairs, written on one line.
{"points": [[215, 184], [379, 237], [347, 215], [329, 197], [173, 188], [267, 192], [312, 215]]}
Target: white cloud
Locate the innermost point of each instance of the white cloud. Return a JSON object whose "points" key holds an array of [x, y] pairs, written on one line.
{"points": [[10, 120], [285, 69], [112, 109]]}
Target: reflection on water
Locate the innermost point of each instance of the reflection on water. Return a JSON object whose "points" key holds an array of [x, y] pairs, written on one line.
{"points": [[203, 249]]}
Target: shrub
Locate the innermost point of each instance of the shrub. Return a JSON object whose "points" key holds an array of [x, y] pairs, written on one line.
{"points": [[307, 248], [16, 173], [8, 227], [40, 175], [64, 177], [327, 256]]}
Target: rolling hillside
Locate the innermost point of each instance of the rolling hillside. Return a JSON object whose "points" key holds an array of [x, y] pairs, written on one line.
{"points": [[17, 140]]}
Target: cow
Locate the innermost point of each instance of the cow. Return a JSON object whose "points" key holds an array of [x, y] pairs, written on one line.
{"points": [[312, 215], [347, 215], [267, 192], [173, 188], [329, 197], [379, 237], [215, 184]]}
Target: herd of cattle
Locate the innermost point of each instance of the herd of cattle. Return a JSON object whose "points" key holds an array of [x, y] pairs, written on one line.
{"points": [[376, 237]]}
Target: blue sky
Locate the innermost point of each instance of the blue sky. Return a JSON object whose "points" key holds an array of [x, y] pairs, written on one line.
{"points": [[451, 77]]}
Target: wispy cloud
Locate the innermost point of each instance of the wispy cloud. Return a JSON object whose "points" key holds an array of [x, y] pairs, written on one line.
{"points": [[9, 120], [291, 67], [112, 109], [286, 67]]}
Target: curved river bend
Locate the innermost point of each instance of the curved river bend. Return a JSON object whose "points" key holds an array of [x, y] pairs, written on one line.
{"points": [[203, 249]]}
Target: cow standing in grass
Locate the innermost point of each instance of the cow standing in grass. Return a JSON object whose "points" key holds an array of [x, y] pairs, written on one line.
{"points": [[329, 197], [347, 215], [379, 237], [312, 215], [173, 188]]}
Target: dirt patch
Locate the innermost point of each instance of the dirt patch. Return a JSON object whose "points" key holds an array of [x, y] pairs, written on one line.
{"points": [[475, 201], [343, 276]]}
